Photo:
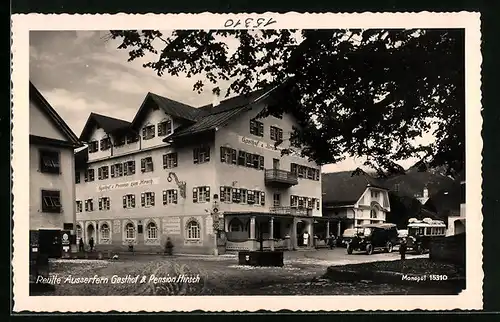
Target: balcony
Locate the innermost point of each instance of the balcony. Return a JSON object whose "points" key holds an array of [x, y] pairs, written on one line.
{"points": [[292, 211], [280, 178]]}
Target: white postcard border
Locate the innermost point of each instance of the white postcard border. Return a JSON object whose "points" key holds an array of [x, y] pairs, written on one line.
{"points": [[471, 298]]}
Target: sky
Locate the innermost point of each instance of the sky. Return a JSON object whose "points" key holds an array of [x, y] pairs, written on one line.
{"points": [[80, 72]]}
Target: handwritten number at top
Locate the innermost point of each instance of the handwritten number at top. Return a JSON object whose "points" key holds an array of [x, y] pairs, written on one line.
{"points": [[249, 23]]}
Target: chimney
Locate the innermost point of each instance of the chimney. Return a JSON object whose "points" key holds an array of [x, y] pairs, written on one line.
{"points": [[215, 100], [426, 193]]}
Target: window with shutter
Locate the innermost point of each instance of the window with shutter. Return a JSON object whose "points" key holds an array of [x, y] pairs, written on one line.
{"points": [[236, 195], [241, 158], [112, 171], [85, 176], [152, 198], [195, 155], [222, 154], [233, 156], [164, 197], [175, 196], [133, 201], [261, 162], [124, 201], [243, 195], [222, 195], [262, 198], [207, 197], [143, 200], [99, 173], [100, 203]]}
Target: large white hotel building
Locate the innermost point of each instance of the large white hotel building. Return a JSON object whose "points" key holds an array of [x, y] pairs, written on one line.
{"points": [[162, 174]]}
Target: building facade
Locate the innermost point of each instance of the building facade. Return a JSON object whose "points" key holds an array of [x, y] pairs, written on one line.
{"points": [[178, 172], [353, 199], [52, 174]]}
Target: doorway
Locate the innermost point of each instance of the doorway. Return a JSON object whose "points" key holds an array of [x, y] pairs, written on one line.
{"points": [[301, 227], [90, 232], [276, 164]]}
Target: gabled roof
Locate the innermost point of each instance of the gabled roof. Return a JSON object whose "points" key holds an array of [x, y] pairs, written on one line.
{"points": [[210, 117], [53, 115], [170, 107], [107, 123], [346, 187]]}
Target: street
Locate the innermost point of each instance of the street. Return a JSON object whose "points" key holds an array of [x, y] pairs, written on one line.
{"points": [[301, 275]]}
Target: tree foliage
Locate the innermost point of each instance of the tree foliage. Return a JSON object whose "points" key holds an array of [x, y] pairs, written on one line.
{"points": [[360, 93]]}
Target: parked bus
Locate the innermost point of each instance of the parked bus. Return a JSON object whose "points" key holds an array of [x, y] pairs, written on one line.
{"points": [[421, 233]]}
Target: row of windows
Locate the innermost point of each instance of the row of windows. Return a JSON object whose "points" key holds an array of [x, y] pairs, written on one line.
{"points": [[170, 196], [246, 159], [304, 202], [148, 132], [242, 196], [257, 129], [192, 231], [306, 172]]}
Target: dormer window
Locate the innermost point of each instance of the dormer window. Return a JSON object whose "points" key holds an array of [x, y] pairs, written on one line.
{"points": [[93, 146], [165, 128], [105, 144], [148, 132], [119, 140], [132, 138]]}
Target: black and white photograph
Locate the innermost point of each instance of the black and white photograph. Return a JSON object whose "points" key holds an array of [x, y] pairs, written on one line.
{"points": [[249, 158]]}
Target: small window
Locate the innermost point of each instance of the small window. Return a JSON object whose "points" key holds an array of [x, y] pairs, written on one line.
{"points": [[103, 172], [130, 231], [373, 214], [129, 201], [129, 168], [276, 134], [236, 195], [243, 196], [201, 194], [170, 196], [89, 205], [152, 231], [375, 194], [225, 194], [148, 132], [193, 230], [164, 128], [104, 203], [256, 128], [105, 232], [201, 155], [227, 155], [294, 201], [93, 146], [105, 144], [49, 162], [147, 164], [116, 170], [147, 199], [250, 197], [51, 201], [132, 138], [89, 175], [170, 160], [77, 177], [119, 140], [317, 204], [276, 200], [79, 206]]}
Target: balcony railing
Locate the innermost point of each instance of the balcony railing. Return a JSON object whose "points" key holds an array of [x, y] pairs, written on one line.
{"points": [[280, 177], [293, 211]]}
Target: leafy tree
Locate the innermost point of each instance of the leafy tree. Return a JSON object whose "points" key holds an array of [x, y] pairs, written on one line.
{"points": [[361, 93]]}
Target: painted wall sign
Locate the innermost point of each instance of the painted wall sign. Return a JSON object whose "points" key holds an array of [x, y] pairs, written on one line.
{"points": [[262, 145], [171, 225], [128, 184]]}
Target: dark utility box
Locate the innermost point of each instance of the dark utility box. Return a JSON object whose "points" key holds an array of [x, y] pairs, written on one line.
{"points": [[261, 258]]}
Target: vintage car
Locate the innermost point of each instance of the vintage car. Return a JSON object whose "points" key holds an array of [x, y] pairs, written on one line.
{"points": [[348, 234], [373, 237], [422, 232]]}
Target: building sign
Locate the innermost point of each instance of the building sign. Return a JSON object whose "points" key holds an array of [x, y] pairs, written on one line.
{"points": [[128, 184], [172, 225], [263, 145], [116, 227]]}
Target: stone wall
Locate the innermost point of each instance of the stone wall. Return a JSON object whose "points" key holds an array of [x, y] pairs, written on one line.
{"points": [[449, 249]]}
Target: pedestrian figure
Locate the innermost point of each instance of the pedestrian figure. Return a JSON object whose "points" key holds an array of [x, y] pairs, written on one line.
{"points": [[402, 252], [169, 247], [331, 241], [81, 245], [91, 244]]}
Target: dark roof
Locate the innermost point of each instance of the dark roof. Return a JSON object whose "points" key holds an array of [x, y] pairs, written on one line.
{"points": [[81, 158], [53, 115], [346, 187], [413, 182], [107, 123], [210, 117], [176, 109], [447, 201]]}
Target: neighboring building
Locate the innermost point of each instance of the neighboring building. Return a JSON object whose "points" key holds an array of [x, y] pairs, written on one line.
{"points": [[449, 204], [164, 174], [353, 198], [52, 174]]}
